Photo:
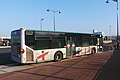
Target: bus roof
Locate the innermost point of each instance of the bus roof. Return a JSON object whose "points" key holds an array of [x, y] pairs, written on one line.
{"points": [[56, 31]]}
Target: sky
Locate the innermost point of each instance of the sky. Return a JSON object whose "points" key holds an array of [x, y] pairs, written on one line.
{"points": [[76, 15]]}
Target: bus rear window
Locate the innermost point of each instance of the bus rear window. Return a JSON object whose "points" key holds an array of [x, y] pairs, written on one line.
{"points": [[15, 36]]}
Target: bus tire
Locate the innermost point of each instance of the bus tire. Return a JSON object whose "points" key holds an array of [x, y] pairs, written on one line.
{"points": [[58, 56], [93, 51]]}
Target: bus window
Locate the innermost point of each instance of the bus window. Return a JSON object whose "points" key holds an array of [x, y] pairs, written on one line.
{"points": [[29, 39], [42, 44], [58, 43]]}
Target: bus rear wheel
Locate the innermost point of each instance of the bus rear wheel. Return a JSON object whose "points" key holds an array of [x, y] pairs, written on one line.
{"points": [[58, 56], [93, 51]]}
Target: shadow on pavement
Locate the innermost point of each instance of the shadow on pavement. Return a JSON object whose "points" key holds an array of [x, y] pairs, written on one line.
{"points": [[5, 56], [111, 70]]}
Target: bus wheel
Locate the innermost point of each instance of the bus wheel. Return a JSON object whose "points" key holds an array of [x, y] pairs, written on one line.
{"points": [[93, 51], [58, 56]]}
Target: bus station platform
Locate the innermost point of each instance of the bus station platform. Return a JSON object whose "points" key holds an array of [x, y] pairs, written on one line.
{"points": [[99, 66]]}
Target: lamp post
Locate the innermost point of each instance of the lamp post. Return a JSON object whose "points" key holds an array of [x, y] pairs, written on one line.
{"points": [[41, 23], [110, 31], [117, 22], [54, 11]]}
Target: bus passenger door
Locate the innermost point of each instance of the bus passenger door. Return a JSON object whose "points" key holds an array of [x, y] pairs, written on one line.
{"points": [[70, 47]]}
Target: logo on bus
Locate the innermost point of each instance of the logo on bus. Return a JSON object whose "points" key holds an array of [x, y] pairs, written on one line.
{"points": [[42, 56], [79, 51]]}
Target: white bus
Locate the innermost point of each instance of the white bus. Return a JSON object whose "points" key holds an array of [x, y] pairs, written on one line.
{"points": [[33, 46]]}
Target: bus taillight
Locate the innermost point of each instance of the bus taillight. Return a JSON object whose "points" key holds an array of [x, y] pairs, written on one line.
{"points": [[22, 51]]}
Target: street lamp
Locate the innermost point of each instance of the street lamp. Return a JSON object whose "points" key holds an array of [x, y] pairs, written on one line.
{"points": [[110, 31], [54, 11], [117, 22], [41, 23]]}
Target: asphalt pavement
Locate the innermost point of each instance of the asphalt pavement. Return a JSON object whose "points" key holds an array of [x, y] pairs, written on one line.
{"points": [[5, 55], [78, 68], [100, 66], [111, 70]]}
